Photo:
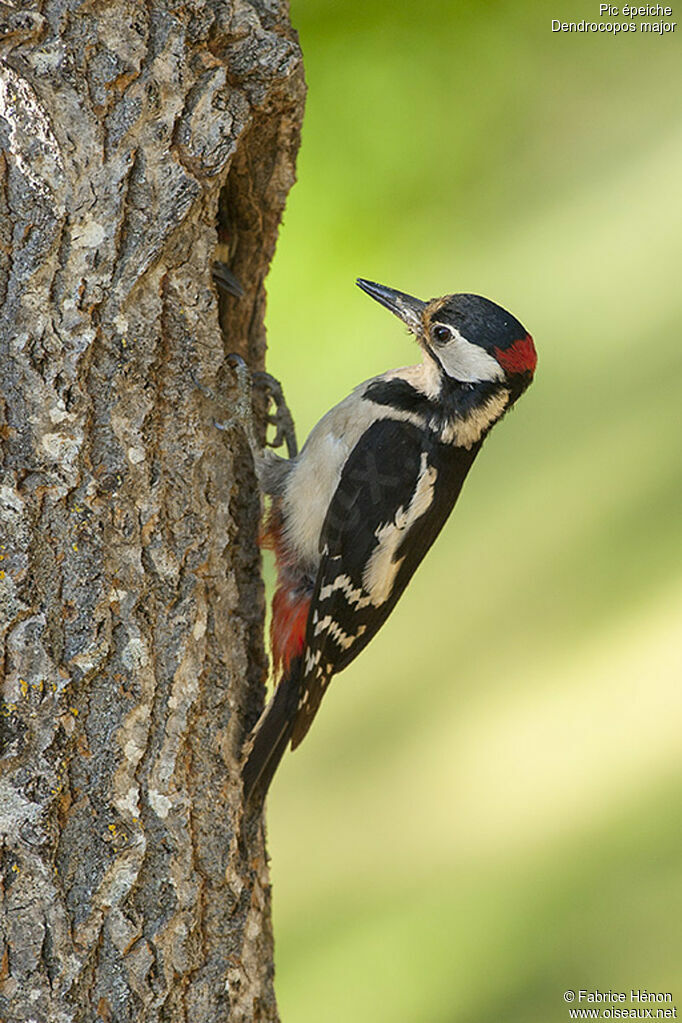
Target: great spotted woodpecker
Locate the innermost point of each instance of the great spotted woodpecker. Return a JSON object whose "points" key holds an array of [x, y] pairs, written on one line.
{"points": [[355, 512]]}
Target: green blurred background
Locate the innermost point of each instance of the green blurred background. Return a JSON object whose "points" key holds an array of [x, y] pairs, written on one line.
{"points": [[487, 810]]}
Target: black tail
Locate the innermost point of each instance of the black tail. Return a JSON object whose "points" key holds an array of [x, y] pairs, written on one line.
{"points": [[271, 736]]}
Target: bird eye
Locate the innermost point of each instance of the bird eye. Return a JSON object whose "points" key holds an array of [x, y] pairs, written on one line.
{"points": [[440, 334]]}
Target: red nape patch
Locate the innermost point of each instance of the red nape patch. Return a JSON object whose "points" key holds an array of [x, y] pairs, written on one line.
{"points": [[287, 630], [520, 357]]}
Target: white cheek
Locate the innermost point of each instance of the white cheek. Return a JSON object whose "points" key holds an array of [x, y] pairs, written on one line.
{"points": [[467, 362]]}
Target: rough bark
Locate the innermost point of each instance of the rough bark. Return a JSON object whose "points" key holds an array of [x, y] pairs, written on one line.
{"points": [[137, 142]]}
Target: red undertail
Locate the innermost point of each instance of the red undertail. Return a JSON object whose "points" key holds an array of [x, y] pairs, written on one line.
{"points": [[291, 602], [290, 606]]}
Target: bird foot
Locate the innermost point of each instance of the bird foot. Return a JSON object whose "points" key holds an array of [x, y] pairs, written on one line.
{"points": [[241, 409], [281, 418]]}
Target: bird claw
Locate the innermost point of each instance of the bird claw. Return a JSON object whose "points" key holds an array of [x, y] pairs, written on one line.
{"points": [[281, 419], [241, 409], [206, 391], [242, 373]]}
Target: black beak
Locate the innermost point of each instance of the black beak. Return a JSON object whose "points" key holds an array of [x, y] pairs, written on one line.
{"points": [[409, 309]]}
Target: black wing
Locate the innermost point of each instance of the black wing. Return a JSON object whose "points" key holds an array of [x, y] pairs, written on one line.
{"points": [[396, 491]]}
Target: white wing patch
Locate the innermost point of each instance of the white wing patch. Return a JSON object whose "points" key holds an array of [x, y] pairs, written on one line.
{"points": [[382, 567], [354, 595], [333, 629], [312, 660]]}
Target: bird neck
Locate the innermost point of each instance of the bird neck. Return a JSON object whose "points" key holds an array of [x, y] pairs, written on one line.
{"points": [[458, 414], [465, 412]]}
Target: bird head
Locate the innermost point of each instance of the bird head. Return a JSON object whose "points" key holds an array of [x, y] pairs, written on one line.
{"points": [[472, 339]]}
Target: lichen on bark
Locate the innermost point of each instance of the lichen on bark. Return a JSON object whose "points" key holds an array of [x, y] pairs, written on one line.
{"points": [[137, 142]]}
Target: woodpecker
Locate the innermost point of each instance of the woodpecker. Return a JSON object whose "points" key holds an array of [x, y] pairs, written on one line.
{"points": [[354, 513]]}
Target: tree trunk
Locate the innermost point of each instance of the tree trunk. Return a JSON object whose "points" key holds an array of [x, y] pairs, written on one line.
{"points": [[133, 139]]}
